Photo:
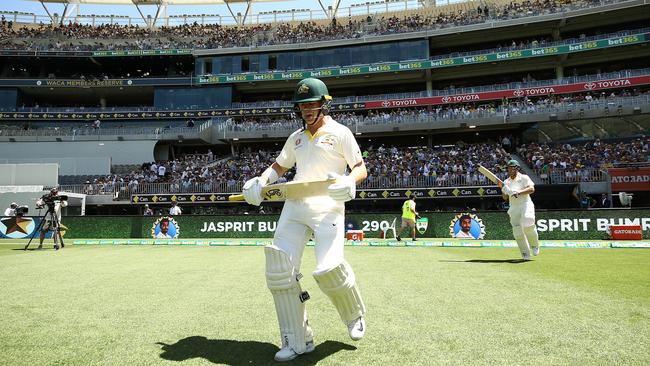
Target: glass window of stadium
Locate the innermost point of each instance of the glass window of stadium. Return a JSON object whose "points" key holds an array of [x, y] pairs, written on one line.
{"points": [[193, 98], [330, 57]]}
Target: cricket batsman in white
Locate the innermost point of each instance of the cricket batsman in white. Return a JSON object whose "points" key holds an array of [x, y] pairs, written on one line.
{"points": [[322, 149], [517, 189]]}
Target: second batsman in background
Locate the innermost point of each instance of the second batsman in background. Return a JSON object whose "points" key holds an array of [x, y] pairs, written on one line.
{"points": [[408, 217], [322, 149], [517, 189]]}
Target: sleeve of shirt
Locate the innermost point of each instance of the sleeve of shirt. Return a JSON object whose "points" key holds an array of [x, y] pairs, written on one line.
{"points": [[350, 148], [529, 182], [287, 157]]}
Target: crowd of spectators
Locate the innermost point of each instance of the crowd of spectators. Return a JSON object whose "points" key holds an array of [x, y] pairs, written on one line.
{"points": [[352, 119], [388, 166], [190, 173], [458, 111], [428, 167], [577, 163], [82, 37]]}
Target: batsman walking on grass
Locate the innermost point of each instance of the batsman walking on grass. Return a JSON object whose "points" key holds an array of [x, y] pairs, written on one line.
{"points": [[322, 149], [517, 190]]}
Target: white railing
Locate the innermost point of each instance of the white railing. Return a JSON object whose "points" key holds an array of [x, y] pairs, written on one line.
{"points": [[556, 176]]}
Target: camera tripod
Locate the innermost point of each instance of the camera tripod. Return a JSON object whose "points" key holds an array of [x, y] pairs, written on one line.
{"points": [[55, 226]]}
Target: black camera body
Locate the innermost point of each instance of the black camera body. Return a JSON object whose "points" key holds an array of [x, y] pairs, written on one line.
{"points": [[50, 200], [21, 211]]}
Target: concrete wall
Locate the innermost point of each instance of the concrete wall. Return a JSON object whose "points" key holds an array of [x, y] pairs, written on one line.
{"points": [[29, 174], [119, 152]]}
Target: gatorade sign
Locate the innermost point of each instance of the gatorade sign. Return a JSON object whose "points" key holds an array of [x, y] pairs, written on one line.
{"points": [[630, 179]]}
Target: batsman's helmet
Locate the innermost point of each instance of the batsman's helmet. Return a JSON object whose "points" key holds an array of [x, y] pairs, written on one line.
{"points": [[312, 90], [514, 163]]}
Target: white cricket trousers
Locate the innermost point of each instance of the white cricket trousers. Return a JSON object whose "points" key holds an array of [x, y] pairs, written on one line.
{"points": [[522, 214], [299, 219]]}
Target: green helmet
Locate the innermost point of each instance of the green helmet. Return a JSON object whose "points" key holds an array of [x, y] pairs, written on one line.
{"points": [[514, 163], [310, 90]]}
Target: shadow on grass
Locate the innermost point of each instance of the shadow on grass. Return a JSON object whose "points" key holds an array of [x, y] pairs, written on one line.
{"points": [[35, 249], [512, 261], [230, 352]]}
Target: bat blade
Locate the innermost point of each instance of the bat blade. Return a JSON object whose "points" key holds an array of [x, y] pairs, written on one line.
{"points": [[491, 176], [291, 190]]}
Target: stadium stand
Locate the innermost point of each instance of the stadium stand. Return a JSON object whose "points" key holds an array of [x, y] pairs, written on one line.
{"points": [[429, 92]]}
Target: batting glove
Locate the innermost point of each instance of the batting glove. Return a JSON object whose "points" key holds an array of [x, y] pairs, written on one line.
{"points": [[252, 191], [505, 190], [344, 189]]}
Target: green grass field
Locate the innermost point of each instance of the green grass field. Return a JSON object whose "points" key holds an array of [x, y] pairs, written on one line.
{"points": [[152, 305]]}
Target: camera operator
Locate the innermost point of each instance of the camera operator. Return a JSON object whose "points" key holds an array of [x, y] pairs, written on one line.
{"points": [[11, 210], [52, 219]]}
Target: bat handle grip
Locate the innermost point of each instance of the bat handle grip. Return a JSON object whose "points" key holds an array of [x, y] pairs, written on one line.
{"points": [[236, 197]]}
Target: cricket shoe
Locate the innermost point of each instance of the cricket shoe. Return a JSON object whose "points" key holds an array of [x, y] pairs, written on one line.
{"points": [[357, 328], [56, 247], [535, 251], [398, 238], [288, 354], [525, 256]]}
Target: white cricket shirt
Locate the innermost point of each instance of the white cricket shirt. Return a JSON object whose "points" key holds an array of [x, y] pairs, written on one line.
{"points": [[331, 149], [520, 182]]}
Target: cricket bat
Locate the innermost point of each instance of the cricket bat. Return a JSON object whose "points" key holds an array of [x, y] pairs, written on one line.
{"points": [[291, 190], [491, 176]]}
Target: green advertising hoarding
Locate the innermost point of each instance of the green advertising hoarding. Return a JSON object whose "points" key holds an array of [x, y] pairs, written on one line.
{"points": [[186, 51], [429, 64], [552, 225]]}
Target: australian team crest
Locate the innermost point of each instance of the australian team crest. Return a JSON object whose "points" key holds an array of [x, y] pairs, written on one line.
{"points": [[467, 226], [165, 227], [303, 89], [421, 225]]}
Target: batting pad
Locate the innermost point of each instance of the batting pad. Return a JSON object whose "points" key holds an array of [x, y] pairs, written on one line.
{"points": [[532, 236], [282, 279], [340, 286], [520, 238]]}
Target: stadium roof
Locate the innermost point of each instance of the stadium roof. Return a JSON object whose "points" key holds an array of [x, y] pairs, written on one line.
{"points": [[151, 2], [74, 5]]}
